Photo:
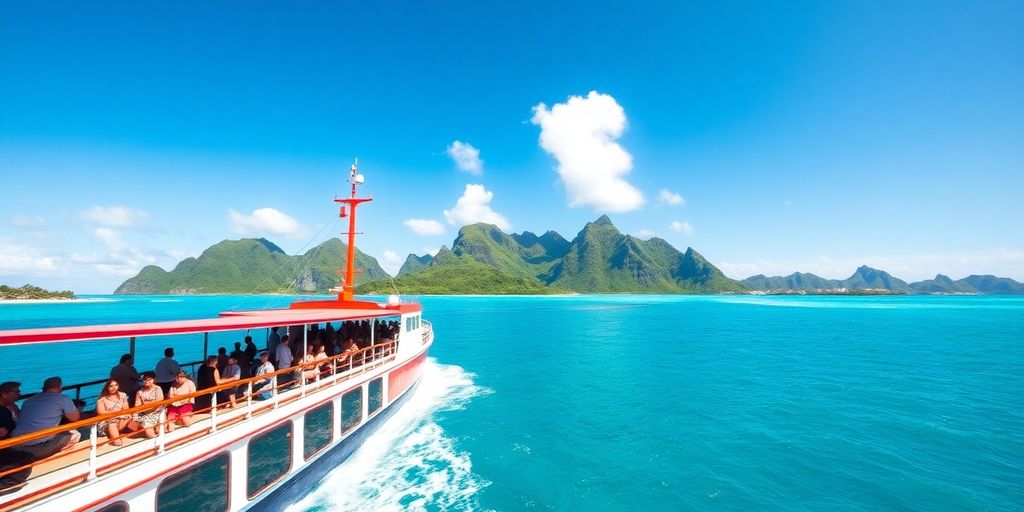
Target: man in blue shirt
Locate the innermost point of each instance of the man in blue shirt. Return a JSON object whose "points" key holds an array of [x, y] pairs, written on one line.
{"points": [[45, 410]]}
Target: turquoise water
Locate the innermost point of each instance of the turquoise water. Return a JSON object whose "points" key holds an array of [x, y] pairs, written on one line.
{"points": [[666, 403]]}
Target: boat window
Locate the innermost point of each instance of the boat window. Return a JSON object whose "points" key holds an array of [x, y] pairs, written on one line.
{"points": [[201, 488], [317, 432], [351, 409], [270, 458], [376, 394], [116, 507]]}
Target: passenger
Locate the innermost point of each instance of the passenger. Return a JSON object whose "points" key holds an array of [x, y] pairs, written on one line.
{"points": [[149, 420], [112, 399], [262, 388], [10, 393], [181, 410], [309, 370], [241, 360], [166, 369], [10, 458], [127, 376], [232, 372], [222, 358], [250, 348], [208, 377], [272, 342], [284, 359], [321, 355], [43, 411], [348, 350]]}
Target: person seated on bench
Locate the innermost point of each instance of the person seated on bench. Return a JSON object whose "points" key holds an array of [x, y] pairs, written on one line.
{"points": [[112, 399], [43, 411]]}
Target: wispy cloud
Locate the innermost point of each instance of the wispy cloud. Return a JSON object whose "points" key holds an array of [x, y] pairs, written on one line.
{"points": [[665, 196], [580, 134], [475, 206], [466, 157], [114, 216], [645, 234], [266, 221], [681, 227], [425, 227], [25, 221]]}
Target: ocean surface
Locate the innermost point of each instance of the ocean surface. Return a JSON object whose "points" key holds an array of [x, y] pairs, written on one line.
{"points": [[658, 402]]}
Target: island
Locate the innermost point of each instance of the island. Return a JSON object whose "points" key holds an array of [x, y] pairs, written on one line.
{"points": [[29, 292]]}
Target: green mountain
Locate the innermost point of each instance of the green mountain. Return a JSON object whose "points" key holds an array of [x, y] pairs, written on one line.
{"points": [[459, 276], [599, 260], [414, 264], [252, 266], [942, 284], [866, 277], [795, 281], [993, 285]]}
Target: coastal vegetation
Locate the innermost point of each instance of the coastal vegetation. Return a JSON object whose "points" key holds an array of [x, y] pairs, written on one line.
{"points": [[29, 292]]}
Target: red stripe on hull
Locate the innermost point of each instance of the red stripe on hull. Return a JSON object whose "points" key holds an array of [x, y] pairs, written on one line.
{"points": [[401, 378]]}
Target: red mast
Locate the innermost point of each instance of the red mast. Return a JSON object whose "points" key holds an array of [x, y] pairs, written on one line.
{"points": [[348, 288]]}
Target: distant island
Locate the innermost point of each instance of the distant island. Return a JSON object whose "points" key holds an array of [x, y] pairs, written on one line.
{"points": [[483, 259], [29, 292]]}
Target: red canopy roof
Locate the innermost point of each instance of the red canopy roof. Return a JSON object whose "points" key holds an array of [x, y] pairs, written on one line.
{"points": [[228, 321]]}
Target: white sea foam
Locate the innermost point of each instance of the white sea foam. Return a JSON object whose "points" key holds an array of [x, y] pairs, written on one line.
{"points": [[409, 463]]}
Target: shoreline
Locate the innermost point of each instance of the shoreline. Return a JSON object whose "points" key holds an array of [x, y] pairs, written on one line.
{"points": [[50, 301]]}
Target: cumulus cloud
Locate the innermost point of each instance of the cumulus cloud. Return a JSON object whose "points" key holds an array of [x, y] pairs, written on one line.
{"points": [[266, 221], [475, 206], [645, 234], [425, 227], [466, 157], [580, 134], [111, 238], [681, 227], [114, 216], [391, 262], [25, 221], [21, 260], [665, 196]]}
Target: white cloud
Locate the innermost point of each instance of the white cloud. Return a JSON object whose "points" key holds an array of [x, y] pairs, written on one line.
{"points": [[24, 221], [665, 196], [645, 234], [432, 250], [466, 157], [425, 227], [111, 238], [20, 260], [391, 262], [114, 216], [1000, 262], [580, 134], [266, 221], [681, 227], [474, 206]]}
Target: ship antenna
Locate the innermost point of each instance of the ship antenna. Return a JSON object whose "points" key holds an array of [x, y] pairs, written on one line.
{"points": [[348, 288]]}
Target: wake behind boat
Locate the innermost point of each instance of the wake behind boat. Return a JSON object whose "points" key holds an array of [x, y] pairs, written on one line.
{"points": [[251, 442]]}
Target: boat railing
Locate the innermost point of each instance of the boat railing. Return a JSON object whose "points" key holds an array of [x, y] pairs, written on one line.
{"points": [[428, 332], [329, 371], [98, 384]]}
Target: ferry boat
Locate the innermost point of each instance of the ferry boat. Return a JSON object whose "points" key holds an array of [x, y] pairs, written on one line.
{"points": [[263, 454]]}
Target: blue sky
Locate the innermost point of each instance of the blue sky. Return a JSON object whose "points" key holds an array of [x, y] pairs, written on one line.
{"points": [[787, 136]]}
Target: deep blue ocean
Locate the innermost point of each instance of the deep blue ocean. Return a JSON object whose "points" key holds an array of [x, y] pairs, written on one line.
{"points": [[658, 402]]}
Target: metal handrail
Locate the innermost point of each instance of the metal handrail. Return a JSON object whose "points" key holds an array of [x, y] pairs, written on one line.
{"points": [[78, 387]]}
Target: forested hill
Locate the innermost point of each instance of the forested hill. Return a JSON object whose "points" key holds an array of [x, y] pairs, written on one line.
{"points": [[253, 265]]}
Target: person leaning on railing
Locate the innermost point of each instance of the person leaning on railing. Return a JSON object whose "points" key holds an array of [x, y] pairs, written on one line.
{"points": [[43, 411], [262, 388]]}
